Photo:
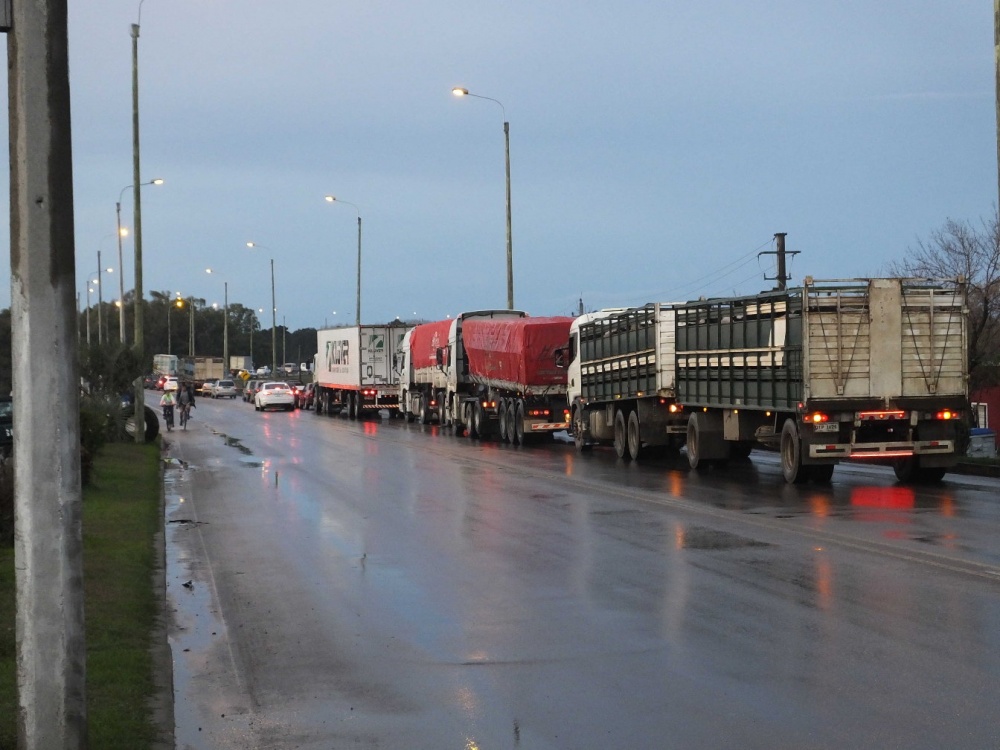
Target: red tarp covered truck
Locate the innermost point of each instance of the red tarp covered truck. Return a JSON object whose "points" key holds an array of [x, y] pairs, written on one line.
{"points": [[490, 373]]}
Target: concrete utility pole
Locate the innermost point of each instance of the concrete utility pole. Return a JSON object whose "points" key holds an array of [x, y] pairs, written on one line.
{"points": [[51, 670], [996, 57], [140, 341]]}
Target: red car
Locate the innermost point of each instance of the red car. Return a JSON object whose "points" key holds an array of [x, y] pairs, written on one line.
{"points": [[304, 395]]}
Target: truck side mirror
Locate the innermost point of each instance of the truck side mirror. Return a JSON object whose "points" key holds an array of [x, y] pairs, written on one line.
{"points": [[561, 357], [439, 357]]}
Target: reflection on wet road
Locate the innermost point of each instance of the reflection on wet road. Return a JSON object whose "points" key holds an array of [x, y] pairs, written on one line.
{"points": [[378, 584]]}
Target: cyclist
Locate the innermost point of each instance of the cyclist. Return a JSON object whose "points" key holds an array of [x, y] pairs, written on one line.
{"points": [[185, 398], [167, 402]]}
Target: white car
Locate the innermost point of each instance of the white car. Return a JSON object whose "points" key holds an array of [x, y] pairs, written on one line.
{"points": [[223, 389], [274, 396], [170, 384], [206, 388]]}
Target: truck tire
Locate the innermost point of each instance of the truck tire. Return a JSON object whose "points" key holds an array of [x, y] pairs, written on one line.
{"points": [[352, 406], [517, 426], [478, 421], [468, 411], [822, 473], [579, 438], [152, 425], [621, 436], [705, 446], [504, 424], [909, 471], [791, 454], [635, 449]]}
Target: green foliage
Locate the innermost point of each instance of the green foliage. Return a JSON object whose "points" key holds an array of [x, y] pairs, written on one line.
{"points": [[121, 516], [109, 368], [7, 504]]}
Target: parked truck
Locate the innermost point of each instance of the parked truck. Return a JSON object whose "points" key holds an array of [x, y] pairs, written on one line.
{"points": [[489, 373], [197, 370], [620, 374], [353, 370], [240, 363], [870, 369], [165, 364]]}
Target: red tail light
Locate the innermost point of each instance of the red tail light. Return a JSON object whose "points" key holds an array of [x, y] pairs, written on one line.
{"points": [[817, 417], [946, 414]]}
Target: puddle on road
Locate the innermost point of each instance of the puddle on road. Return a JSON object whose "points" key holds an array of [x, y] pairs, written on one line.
{"points": [[247, 459], [699, 537]]}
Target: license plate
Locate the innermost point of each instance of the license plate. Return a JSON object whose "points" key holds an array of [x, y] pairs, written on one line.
{"points": [[827, 427]]}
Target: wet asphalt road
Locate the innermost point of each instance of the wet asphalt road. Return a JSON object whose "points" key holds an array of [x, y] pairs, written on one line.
{"points": [[384, 585]]}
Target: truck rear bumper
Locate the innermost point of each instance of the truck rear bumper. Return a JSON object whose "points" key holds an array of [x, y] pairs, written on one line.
{"points": [[548, 426], [882, 450]]}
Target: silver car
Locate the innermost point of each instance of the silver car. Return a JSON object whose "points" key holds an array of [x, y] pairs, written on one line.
{"points": [[223, 389]]}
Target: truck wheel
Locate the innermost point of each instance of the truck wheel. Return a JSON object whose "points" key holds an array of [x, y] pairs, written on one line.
{"points": [[791, 454], [634, 442], [578, 430], [822, 473], [468, 411], [621, 437], [478, 420], [693, 440], [517, 426], [504, 435], [740, 449]]}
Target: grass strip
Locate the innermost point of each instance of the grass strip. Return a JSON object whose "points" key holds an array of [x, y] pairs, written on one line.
{"points": [[121, 517]]}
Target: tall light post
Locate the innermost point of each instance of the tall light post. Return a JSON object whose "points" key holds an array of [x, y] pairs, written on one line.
{"points": [[333, 199], [274, 326], [225, 323], [457, 91], [123, 232], [179, 303], [140, 342], [89, 290], [100, 300]]}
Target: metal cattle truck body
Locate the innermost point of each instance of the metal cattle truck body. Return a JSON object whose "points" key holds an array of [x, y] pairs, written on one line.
{"points": [[621, 381], [488, 372], [353, 369], [843, 369], [199, 369]]}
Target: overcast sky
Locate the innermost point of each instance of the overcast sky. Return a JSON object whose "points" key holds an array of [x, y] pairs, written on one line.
{"points": [[655, 147]]}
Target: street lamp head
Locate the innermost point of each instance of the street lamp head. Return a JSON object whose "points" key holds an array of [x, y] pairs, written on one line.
{"points": [[208, 270], [156, 181], [457, 91], [123, 231], [109, 269]]}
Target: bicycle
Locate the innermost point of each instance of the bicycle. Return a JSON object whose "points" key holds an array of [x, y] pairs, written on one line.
{"points": [[168, 416], [185, 415]]}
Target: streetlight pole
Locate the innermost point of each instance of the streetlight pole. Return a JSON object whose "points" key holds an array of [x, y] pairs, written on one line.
{"points": [[89, 290], [122, 232], [225, 323], [333, 199], [140, 343], [274, 309], [225, 326], [457, 91]]}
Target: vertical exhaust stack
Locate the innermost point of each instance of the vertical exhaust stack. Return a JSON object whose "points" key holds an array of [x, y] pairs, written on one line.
{"points": [[782, 276]]}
